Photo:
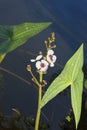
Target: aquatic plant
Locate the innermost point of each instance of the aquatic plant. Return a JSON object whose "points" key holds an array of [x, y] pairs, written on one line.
{"points": [[17, 35], [72, 75]]}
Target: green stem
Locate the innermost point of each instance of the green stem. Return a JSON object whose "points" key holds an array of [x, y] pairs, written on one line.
{"points": [[41, 77], [38, 109], [39, 100]]}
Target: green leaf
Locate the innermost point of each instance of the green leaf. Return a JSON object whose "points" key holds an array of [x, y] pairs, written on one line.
{"points": [[6, 31], [17, 35], [58, 85], [67, 76], [74, 64], [76, 96], [70, 75]]}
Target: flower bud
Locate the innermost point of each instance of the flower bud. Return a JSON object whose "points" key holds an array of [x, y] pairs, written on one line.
{"points": [[40, 53], [28, 68], [45, 42]]}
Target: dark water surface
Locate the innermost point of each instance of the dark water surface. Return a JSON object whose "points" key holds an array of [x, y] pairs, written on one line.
{"points": [[70, 26]]}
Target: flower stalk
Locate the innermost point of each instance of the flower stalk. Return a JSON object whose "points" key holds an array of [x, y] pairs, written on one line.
{"points": [[39, 100], [38, 109], [42, 63]]}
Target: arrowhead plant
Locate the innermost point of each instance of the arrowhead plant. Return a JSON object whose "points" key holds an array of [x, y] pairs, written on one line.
{"points": [[71, 76]]}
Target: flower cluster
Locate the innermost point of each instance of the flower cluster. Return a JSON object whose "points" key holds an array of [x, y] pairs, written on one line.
{"points": [[42, 62]]}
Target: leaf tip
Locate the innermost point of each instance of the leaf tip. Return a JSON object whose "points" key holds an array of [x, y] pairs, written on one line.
{"points": [[48, 23], [82, 45]]}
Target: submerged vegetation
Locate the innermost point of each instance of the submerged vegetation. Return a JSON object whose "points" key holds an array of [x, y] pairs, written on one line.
{"points": [[71, 76]]}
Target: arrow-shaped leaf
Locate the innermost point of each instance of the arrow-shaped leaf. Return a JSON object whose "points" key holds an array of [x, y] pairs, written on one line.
{"points": [[70, 75], [17, 35]]}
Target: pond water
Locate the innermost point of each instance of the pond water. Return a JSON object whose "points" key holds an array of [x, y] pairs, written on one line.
{"points": [[69, 20]]}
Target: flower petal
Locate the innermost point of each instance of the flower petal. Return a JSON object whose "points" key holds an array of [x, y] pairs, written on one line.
{"points": [[38, 65], [38, 57], [45, 62], [50, 52], [54, 58], [52, 64], [44, 69], [48, 59], [32, 60]]}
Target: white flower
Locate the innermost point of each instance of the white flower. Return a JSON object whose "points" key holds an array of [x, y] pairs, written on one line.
{"points": [[42, 65], [33, 60], [51, 58], [37, 58]]}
